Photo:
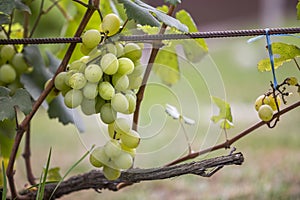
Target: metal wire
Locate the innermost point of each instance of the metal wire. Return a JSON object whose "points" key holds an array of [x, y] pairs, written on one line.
{"points": [[141, 38]]}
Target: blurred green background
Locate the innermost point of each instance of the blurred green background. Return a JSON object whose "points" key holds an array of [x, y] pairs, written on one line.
{"points": [[271, 167]]}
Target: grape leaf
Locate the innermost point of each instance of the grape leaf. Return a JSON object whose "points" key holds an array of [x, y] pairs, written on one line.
{"points": [[4, 18], [224, 115], [21, 99], [7, 133], [22, 7], [298, 10], [282, 53], [166, 65], [7, 6], [173, 2], [53, 174]]}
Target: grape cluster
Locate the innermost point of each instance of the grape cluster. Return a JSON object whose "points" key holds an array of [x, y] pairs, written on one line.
{"points": [[12, 66], [265, 105], [105, 81]]}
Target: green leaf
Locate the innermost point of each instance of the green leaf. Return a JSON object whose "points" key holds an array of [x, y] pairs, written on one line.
{"points": [[4, 18], [43, 179], [282, 53], [7, 6], [298, 10], [54, 174], [173, 2], [22, 7], [139, 14], [3, 183], [224, 113], [149, 29], [21, 99], [166, 65], [7, 134]]}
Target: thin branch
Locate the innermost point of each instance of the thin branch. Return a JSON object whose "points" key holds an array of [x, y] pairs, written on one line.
{"points": [[38, 18], [296, 63], [229, 142], [96, 180]]}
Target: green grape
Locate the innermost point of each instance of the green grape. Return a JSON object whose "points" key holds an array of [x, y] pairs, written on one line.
{"points": [[132, 51], [112, 148], [132, 102], [99, 103], [95, 53], [265, 113], [119, 103], [131, 139], [106, 90], [85, 50], [292, 81], [59, 81], [73, 98], [91, 38], [135, 82], [110, 173], [68, 76], [77, 81], [272, 102], [120, 82], [7, 73], [90, 90], [112, 133], [77, 65], [97, 157], [131, 151], [138, 69], [19, 63], [53, 93], [109, 63], [85, 59], [88, 106], [111, 24], [122, 125], [261, 100], [120, 49], [126, 66], [107, 114], [110, 48], [7, 52], [93, 73], [123, 161]]}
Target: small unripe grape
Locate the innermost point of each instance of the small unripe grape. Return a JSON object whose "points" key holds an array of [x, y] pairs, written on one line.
{"points": [[109, 63], [110, 173], [107, 114], [132, 51], [265, 113], [121, 82], [77, 81], [119, 103], [90, 90], [93, 73], [97, 157], [106, 90], [91, 38], [261, 100], [88, 106], [272, 102], [84, 50], [292, 81], [122, 125], [131, 139], [126, 66], [59, 81], [112, 148], [73, 98], [7, 52], [7, 73], [19, 63], [111, 24], [123, 161]]}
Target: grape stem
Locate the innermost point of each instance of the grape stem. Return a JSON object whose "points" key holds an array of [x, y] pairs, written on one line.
{"points": [[25, 123]]}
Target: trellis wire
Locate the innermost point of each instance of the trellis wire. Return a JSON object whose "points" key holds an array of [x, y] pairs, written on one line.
{"points": [[141, 38]]}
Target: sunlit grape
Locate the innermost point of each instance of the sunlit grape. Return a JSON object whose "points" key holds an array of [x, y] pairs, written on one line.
{"points": [[106, 90], [73, 98], [109, 63], [131, 139], [265, 113], [19, 63], [110, 24], [132, 51], [77, 81], [120, 82], [112, 148], [7, 73], [7, 52], [123, 160], [59, 81], [126, 66], [93, 73], [91, 38], [119, 103]]}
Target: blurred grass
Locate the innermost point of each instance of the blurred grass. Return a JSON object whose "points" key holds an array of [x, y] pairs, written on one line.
{"points": [[271, 167]]}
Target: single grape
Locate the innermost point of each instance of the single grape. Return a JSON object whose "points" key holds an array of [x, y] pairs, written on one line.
{"points": [[93, 73], [88, 106], [73, 98], [106, 90], [111, 24], [90, 90], [265, 113], [120, 82], [119, 103], [107, 114], [98, 157], [123, 161], [131, 139], [77, 65], [132, 102], [109, 63], [19, 63], [292, 81], [68, 76], [120, 49], [91, 38], [112, 133], [126, 66], [135, 82], [110, 48], [132, 51], [122, 125], [59, 81], [7, 73], [110, 173], [261, 100], [77, 81], [112, 148], [7, 52]]}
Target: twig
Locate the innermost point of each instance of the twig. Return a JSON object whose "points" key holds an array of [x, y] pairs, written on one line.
{"points": [[96, 180], [38, 18], [229, 142]]}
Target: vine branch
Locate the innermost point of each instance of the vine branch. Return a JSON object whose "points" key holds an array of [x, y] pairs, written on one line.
{"points": [[96, 180]]}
